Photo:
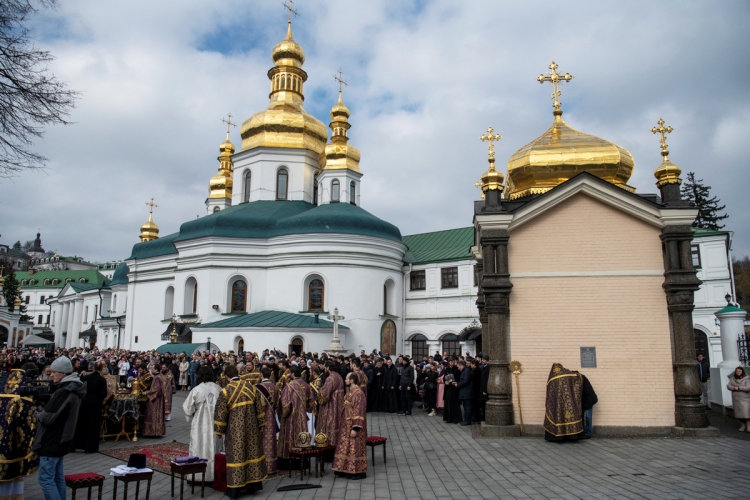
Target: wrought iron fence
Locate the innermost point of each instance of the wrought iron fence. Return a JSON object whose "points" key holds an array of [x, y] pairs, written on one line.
{"points": [[743, 346]]}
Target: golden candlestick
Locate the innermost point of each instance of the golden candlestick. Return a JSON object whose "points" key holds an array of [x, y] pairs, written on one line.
{"points": [[516, 367]]}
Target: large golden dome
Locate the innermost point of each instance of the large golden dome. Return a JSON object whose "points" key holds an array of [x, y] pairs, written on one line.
{"points": [[562, 153], [285, 123]]}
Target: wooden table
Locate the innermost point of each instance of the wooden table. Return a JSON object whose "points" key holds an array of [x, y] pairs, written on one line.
{"points": [[313, 451], [186, 469], [129, 478]]}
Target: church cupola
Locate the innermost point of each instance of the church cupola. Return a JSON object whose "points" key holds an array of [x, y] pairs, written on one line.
{"points": [[150, 231], [491, 180], [220, 186], [668, 174], [339, 178]]}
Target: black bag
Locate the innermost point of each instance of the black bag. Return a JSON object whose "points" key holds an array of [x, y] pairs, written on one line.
{"points": [[429, 385]]}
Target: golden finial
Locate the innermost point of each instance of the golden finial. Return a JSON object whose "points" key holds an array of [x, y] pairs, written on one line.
{"points": [[151, 206], [491, 179], [290, 8], [229, 123], [150, 231], [339, 78], [555, 79], [661, 129]]}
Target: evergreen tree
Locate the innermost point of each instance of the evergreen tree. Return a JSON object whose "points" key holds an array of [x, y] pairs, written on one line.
{"points": [[709, 215], [741, 269], [11, 291]]}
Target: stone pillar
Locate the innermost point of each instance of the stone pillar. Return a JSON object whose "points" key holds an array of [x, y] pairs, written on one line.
{"points": [[73, 340], [680, 283], [732, 326], [496, 288], [71, 314]]}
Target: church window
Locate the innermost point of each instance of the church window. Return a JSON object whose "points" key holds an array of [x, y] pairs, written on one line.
{"points": [[476, 275], [282, 177], [388, 337], [82, 280], [283, 81], [39, 321], [28, 299], [195, 298], [68, 280], [419, 346], [32, 282], [352, 193], [451, 344], [46, 282], [315, 295], [315, 192], [239, 296], [190, 304], [335, 188], [216, 209], [55, 281], [247, 186], [418, 280], [449, 277], [695, 251], [24, 282], [169, 303], [385, 299], [41, 299]]}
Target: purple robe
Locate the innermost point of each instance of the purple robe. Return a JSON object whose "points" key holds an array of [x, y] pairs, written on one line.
{"points": [[267, 390], [330, 407], [153, 422], [296, 401], [351, 452]]}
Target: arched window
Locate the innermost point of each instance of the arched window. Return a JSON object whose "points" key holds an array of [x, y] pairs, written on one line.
{"points": [[68, 280], [352, 193], [315, 192], [169, 303], [239, 296], [241, 346], [385, 299], [315, 295], [55, 281], [46, 282], [24, 282], [418, 347], [388, 337], [32, 282], [82, 280], [246, 192], [216, 209], [282, 178], [190, 305], [297, 346], [335, 188], [283, 81], [451, 344]]}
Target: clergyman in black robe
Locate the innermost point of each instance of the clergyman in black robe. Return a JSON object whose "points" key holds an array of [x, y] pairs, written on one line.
{"points": [[90, 414]]}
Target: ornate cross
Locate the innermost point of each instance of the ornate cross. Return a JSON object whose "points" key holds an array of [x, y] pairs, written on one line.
{"points": [[339, 78], [290, 8], [490, 137], [151, 204], [229, 123], [555, 79], [335, 342], [662, 130]]}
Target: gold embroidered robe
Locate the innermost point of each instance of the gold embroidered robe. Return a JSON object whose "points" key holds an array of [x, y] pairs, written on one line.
{"points": [[239, 416], [351, 452], [297, 400]]}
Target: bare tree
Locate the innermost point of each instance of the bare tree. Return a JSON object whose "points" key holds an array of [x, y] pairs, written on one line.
{"points": [[30, 97]]}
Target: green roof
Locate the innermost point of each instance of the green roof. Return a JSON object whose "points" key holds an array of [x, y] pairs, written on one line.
{"points": [[697, 231], [266, 219], [270, 319], [120, 276], [729, 309], [92, 276], [83, 287], [440, 246], [186, 348]]}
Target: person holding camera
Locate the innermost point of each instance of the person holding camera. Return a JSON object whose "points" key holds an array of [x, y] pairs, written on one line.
{"points": [[57, 426]]}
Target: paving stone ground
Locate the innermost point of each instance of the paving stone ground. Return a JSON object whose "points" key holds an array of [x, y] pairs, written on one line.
{"points": [[428, 459]]}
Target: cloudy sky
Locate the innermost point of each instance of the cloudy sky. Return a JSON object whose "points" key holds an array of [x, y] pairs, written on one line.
{"points": [[426, 78]]}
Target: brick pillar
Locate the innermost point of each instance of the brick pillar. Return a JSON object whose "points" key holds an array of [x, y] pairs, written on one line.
{"points": [[679, 285], [496, 287]]}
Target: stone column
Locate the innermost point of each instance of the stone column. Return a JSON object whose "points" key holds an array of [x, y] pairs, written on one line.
{"points": [[732, 326], [496, 288], [73, 340], [680, 283], [71, 314]]}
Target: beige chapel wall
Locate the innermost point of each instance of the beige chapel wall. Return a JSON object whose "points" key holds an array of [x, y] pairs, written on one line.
{"points": [[623, 316]]}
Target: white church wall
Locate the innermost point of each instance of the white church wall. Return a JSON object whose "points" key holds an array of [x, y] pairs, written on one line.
{"points": [[264, 163]]}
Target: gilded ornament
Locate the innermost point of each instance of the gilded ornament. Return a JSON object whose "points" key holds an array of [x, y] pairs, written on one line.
{"points": [[150, 231], [321, 440], [303, 440], [221, 184], [339, 154], [668, 172], [491, 179]]}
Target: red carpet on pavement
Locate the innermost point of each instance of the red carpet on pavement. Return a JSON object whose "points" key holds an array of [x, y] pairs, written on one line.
{"points": [[158, 456]]}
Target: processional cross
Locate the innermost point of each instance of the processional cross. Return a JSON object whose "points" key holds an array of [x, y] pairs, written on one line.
{"points": [[339, 78], [662, 130], [229, 123], [555, 79], [290, 8]]}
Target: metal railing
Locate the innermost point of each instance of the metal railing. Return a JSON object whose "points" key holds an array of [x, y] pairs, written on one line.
{"points": [[743, 346]]}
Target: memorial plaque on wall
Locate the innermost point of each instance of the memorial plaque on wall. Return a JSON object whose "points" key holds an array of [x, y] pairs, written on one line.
{"points": [[588, 357]]}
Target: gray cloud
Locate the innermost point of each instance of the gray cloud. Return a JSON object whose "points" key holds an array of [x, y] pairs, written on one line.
{"points": [[426, 79]]}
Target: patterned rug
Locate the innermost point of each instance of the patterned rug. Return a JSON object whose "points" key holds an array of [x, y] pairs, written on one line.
{"points": [[158, 456]]}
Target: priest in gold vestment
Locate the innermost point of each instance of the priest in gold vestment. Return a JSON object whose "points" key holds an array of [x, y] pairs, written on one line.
{"points": [[239, 416], [350, 459]]}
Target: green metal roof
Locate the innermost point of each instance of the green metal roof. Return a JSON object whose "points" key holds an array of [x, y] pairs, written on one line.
{"points": [[92, 276], [83, 287], [265, 219], [120, 276], [440, 246], [270, 319], [186, 348], [697, 231]]}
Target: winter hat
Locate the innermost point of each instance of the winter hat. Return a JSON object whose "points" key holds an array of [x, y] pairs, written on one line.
{"points": [[62, 365]]}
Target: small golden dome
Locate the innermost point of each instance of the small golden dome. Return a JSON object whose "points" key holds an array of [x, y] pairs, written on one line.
{"points": [[149, 231], [491, 179], [562, 153], [221, 184], [285, 123], [339, 154], [668, 172]]}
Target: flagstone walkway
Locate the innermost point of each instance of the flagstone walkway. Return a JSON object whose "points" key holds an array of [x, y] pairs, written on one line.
{"points": [[428, 459]]}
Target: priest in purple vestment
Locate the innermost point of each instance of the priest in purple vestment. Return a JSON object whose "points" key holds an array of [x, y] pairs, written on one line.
{"points": [[350, 459], [296, 402], [268, 392], [330, 404], [153, 422]]}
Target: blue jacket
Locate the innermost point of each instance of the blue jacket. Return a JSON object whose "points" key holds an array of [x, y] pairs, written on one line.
{"points": [[465, 389], [193, 367]]}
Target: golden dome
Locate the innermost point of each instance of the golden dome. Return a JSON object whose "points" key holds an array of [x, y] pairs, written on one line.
{"points": [[339, 154], [220, 185], [562, 153], [285, 123], [149, 231], [668, 172], [491, 179]]}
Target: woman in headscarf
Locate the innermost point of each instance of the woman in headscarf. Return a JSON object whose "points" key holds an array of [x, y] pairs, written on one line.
{"points": [[563, 418], [739, 386]]}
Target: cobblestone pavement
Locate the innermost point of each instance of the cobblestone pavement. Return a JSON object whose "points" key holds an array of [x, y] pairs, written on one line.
{"points": [[428, 459]]}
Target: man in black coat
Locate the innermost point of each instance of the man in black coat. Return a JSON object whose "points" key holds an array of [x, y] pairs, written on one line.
{"points": [[588, 400], [90, 413], [465, 391], [483, 390], [704, 372], [476, 382], [405, 384]]}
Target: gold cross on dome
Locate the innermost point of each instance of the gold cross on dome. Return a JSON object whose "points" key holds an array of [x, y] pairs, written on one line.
{"points": [[151, 204], [555, 79], [229, 123], [490, 137], [339, 78], [290, 8], [662, 130]]}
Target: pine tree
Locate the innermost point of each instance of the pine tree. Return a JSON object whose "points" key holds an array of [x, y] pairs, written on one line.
{"points": [[11, 291], [709, 215], [741, 268]]}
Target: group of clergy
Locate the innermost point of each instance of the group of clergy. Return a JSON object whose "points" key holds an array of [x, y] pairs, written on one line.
{"points": [[260, 420]]}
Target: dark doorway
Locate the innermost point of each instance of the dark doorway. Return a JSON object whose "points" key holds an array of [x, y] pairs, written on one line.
{"points": [[296, 346], [701, 345]]}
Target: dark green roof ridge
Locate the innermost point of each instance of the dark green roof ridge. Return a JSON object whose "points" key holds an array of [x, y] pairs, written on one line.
{"points": [[270, 319], [90, 275], [440, 246]]}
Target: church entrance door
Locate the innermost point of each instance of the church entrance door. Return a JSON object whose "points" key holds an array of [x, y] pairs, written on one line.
{"points": [[297, 346], [388, 337]]}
